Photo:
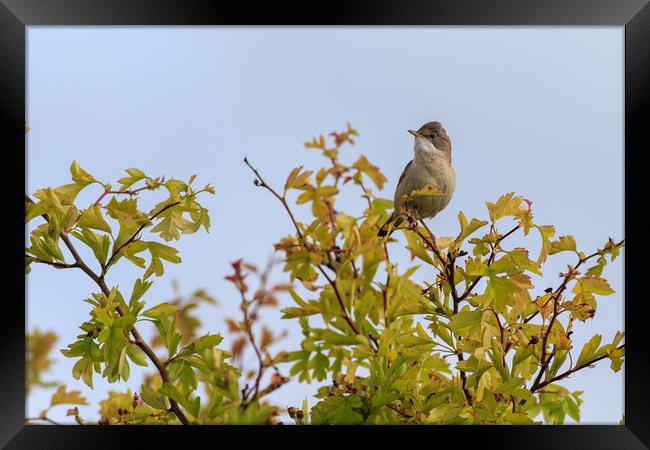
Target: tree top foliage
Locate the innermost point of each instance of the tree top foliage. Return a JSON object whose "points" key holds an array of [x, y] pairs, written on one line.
{"points": [[478, 343]]}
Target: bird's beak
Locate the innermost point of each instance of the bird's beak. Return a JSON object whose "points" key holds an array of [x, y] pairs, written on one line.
{"points": [[415, 133]]}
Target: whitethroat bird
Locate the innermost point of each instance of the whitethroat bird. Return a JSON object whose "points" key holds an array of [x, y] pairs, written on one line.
{"points": [[431, 164]]}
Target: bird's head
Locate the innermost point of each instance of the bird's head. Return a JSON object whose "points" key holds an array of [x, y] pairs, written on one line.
{"points": [[433, 133]]}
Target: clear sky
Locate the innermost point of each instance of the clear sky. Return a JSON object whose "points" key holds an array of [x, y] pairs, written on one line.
{"points": [[535, 110]]}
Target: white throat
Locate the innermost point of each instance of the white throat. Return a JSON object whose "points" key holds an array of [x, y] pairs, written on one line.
{"points": [[425, 150]]}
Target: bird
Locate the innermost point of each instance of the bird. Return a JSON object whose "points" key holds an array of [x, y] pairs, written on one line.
{"points": [[431, 164]]}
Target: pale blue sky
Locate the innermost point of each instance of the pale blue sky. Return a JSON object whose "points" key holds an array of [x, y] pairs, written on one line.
{"points": [[538, 111]]}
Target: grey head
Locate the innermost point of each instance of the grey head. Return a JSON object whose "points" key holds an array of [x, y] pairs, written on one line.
{"points": [[435, 133]]}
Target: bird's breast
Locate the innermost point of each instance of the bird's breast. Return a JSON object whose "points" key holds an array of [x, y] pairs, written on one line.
{"points": [[436, 171]]}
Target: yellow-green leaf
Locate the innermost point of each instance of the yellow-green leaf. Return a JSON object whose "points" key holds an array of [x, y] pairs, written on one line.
{"points": [[79, 175], [92, 218], [593, 285], [61, 397]]}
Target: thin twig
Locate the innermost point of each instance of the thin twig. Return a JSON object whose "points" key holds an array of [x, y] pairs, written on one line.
{"points": [[51, 263], [580, 262], [46, 419], [571, 371], [555, 297], [251, 338], [261, 183], [272, 387], [400, 412], [469, 289], [448, 269], [385, 290]]}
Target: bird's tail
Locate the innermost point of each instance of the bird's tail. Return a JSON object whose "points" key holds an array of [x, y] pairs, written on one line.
{"points": [[390, 225]]}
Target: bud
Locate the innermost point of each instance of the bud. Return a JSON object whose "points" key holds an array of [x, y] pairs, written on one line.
{"points": [[277, 379], [292, 412]]}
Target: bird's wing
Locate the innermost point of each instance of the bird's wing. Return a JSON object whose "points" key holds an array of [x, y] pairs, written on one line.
{"points": [[401, 177]]}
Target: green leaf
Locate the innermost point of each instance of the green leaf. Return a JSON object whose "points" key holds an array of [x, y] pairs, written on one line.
{"points": [[546, 232], [166, 325], [509, 386], [203, 343], [371, 171], [92, 218], [170, 221], [498, 292], [589, 350], [297, 180], [506, 205], [35, 209], [155, 267], [170, 391], [417, 247], [517, 419], [467, 229], [139, 289], [564, 243], [196, 406], [135, 175], [319, 363], [163, 251], [137, 355], [427, 191], [593, 285], [90, 355], [163, 309], [68, 192], [98, 243], [465, 320], [152, 398], [80, 176]]}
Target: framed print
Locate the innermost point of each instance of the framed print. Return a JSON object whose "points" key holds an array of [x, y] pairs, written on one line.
{"points": [[244, 216]]}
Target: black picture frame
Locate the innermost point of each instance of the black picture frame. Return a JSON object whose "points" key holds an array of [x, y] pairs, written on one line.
{"points": [[634, 15]]}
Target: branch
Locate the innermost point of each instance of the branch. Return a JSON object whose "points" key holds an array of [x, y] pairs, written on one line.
{"points": [[385, 290], [51, 263], [156, 184], [251, 338], [493, 255], [571, 371], [366, 195], [448, 268], [259, 181], [272, 387], [430, 243], [134, 331], [555, 298], [566, 281], [571, 272], [399, 411], [46, 419]]}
